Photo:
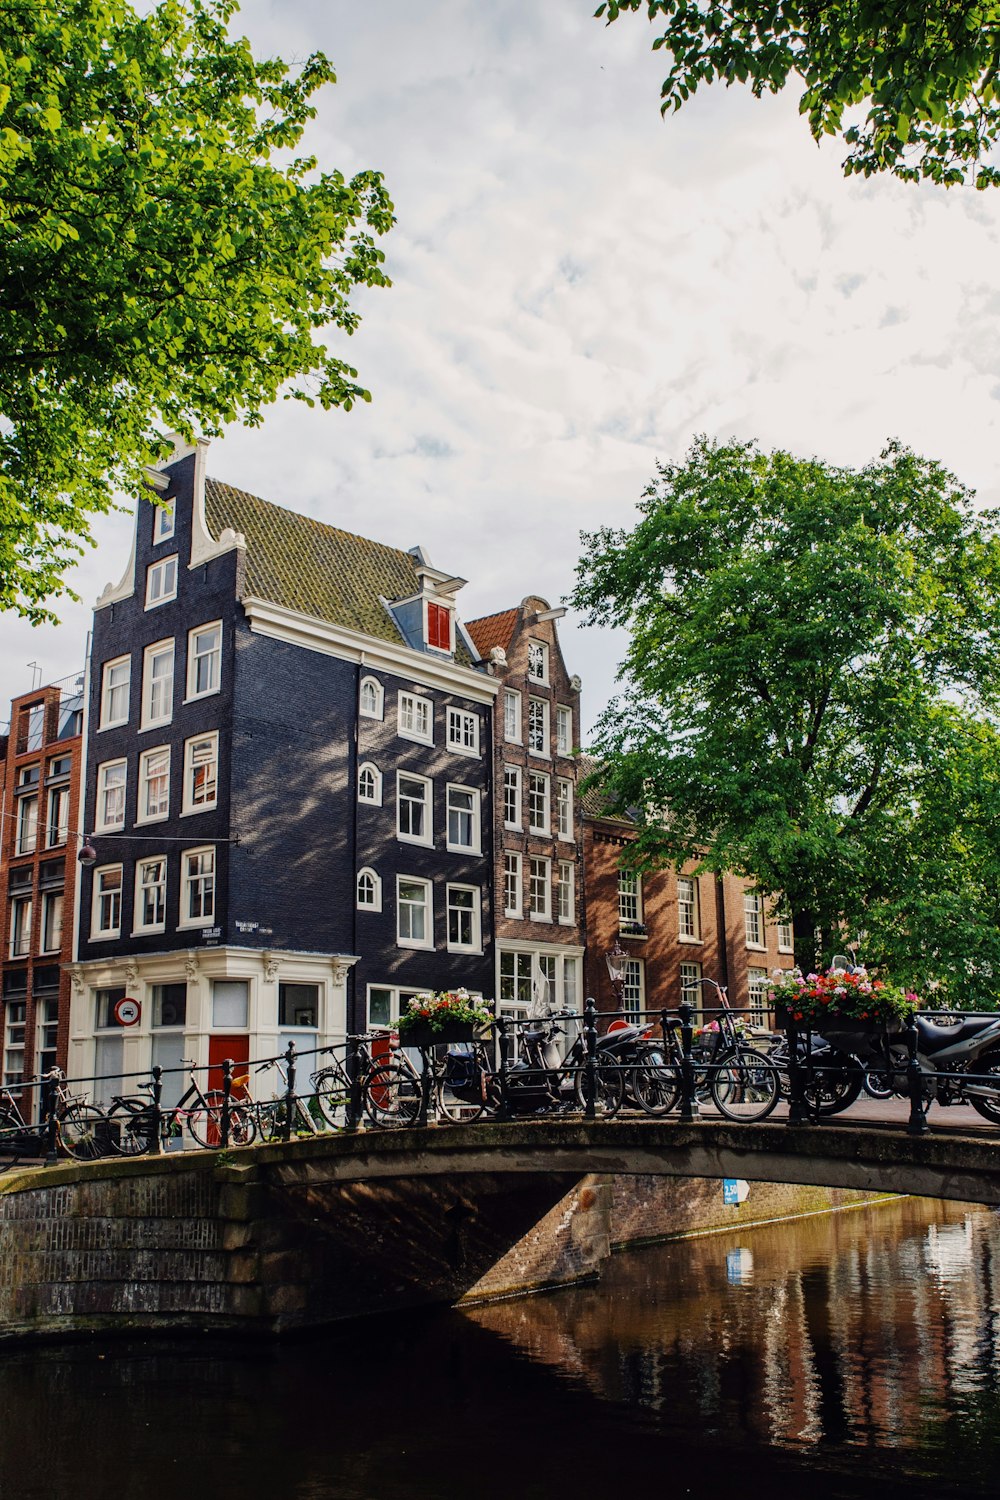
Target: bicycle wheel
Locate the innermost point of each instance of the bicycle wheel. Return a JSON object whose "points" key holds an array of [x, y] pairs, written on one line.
{"points": [[131, 1128], [656, 1087], [745, 1086], [462, 1088], [242, 1126], [833, 1091], [269, 1119], [391, 1097], [610, 1091], [82, 1131], [333, 1094]]}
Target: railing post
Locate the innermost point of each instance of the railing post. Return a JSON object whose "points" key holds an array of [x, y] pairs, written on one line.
{"points": [[286, 1124], [227, 1099], [590, 1043], [917, 1123], [51, 1122], [503, 1027], [426, 1065], [687, 1066], [156, 1145], [798, 1113], [352, 1063]]}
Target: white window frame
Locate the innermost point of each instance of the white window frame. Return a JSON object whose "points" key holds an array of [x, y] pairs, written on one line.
{"points": [[512, 782], [27, 824], [142, 815], [566, 908], [543, 913], [107, 690], [688, 911], [414, 707], [21, 920], [49, 899], [538, 650], [427, 906], [512, 716], [474, 814], [753, 920], [371, 687], [463, 732], [368, 770], [101, 824], [564, 809], [513, 868], [758, 984], [368, 874], [689, 975], [164, 521], [138, 925], [475, 912], [97, 931], [189, 807], [194, 657], [545, 782], [160, 570], [538, 708], [633, 987], [56, 830], [147, 719], [426, 839], [786, 933], [188, 881], [564, 729], [629, 896]]}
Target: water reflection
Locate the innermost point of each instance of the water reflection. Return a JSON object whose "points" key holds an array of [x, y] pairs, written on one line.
{"points": [[856, 1355]]}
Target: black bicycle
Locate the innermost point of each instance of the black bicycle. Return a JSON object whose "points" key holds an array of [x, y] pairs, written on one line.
{"points": [[132, 1119]]}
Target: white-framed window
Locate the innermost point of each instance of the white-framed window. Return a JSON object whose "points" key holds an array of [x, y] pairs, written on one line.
{"points": [[386, 1002], [414, 913], [629, 896], [753, 909], [154, 785], [540, 889], [566, 892], [106, 919], [27, 825], [463, 919], [111, 795], [369, 891], [634, 988], [204, 667], [52, 921], [14, 1043], [516, 976], [299, 1005], [512, 716], [414, 809], [157, 685], [512, 796], [20, 926], [463, 731], [371, 698], [151, 894], [230, 1004], [758, 986], [115, 679], [529, 976], [416, 718], [538, 661], [201, 772], [197, 888], [538, 726], [690, 975], [463, 819], [370, 784], [564, 808], [57, 822], [564, 730], [512, 885], [786, 933], [688, 924], [161, 581], [164, 521], [538, 802], [570, 983]]}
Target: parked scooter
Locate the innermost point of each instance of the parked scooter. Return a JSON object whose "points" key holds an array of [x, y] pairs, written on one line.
{"points": [[835, 1079], [544, 1077]]}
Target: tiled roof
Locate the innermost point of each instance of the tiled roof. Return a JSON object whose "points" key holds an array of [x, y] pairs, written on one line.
{"points": [[594, 801], [492, 630]]}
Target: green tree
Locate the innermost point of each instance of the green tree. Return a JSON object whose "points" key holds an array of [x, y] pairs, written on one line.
{"points": [[812, 670], [166, 261], [911, 85]]}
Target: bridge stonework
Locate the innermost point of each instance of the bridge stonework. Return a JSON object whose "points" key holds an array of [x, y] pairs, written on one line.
{"points": [[299, 1234]]}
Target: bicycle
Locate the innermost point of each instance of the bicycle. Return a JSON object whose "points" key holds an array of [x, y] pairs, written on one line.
{"points": [[136, 1118], [79, 1125], [741, 1082], [270, 1114], [332, 1083]]}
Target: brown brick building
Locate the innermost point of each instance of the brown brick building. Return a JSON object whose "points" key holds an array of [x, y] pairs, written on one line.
{"points": [[40, 764], [538, 844], [677, 928]]}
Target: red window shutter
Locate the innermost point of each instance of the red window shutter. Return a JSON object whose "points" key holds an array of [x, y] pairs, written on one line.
{"points": [[439, 627]]}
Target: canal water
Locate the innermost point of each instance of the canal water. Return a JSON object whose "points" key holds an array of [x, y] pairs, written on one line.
{"points": [[850, 1355]]}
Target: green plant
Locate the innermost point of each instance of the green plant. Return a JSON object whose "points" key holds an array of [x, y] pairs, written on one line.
{"points": [[814, 999], [438, 1010]]}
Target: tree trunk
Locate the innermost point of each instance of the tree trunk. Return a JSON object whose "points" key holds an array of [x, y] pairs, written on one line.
{"points": [[807, 953]]}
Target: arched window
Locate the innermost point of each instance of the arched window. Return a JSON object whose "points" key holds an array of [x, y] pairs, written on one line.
{"points": [[370, 705], [369, 891], [370, 784]]}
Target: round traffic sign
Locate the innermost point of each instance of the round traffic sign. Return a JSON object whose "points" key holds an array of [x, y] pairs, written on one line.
{"points": [[127, 1011]]}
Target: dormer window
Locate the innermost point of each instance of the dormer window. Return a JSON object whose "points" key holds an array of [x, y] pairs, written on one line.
{"points": [[439, 627]]}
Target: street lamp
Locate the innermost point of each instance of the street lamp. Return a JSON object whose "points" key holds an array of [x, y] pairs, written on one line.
{"points": [[615, 961]]}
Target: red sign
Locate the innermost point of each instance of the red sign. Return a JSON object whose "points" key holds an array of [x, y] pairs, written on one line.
{"points": [[127, 1011]]}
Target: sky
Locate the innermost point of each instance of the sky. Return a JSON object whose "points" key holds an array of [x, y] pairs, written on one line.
{"points": [[580, 287]]}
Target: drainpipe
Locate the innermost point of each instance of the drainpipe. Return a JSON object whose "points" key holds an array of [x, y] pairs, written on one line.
{"points": [[720, 920]]}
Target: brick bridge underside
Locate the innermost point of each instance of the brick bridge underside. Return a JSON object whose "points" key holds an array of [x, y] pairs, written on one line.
{"points": [[295, 1235]]}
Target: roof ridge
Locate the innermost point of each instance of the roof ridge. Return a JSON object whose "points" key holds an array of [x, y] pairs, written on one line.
{"points": [[299, 515]]}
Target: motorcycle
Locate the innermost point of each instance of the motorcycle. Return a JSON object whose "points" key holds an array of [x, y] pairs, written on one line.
{"points": [[834, 1081], [545, 1078]]}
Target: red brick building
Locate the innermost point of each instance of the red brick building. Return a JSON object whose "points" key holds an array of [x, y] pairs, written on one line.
{"points": [[677, 928], [40, 762]]}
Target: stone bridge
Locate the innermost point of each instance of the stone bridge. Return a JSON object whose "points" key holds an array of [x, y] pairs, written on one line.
{"points": [[297, 1234]]}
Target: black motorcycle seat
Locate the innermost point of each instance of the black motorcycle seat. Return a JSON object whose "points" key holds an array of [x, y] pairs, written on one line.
{"points": [[935, 1038], [615, 1038]]}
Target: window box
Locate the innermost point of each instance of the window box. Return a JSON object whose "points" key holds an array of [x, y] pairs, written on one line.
{"points": [[423, 1034], [633, 930]]}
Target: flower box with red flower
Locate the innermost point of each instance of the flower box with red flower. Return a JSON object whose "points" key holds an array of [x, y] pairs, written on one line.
{"points": [[443, 1019]]}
